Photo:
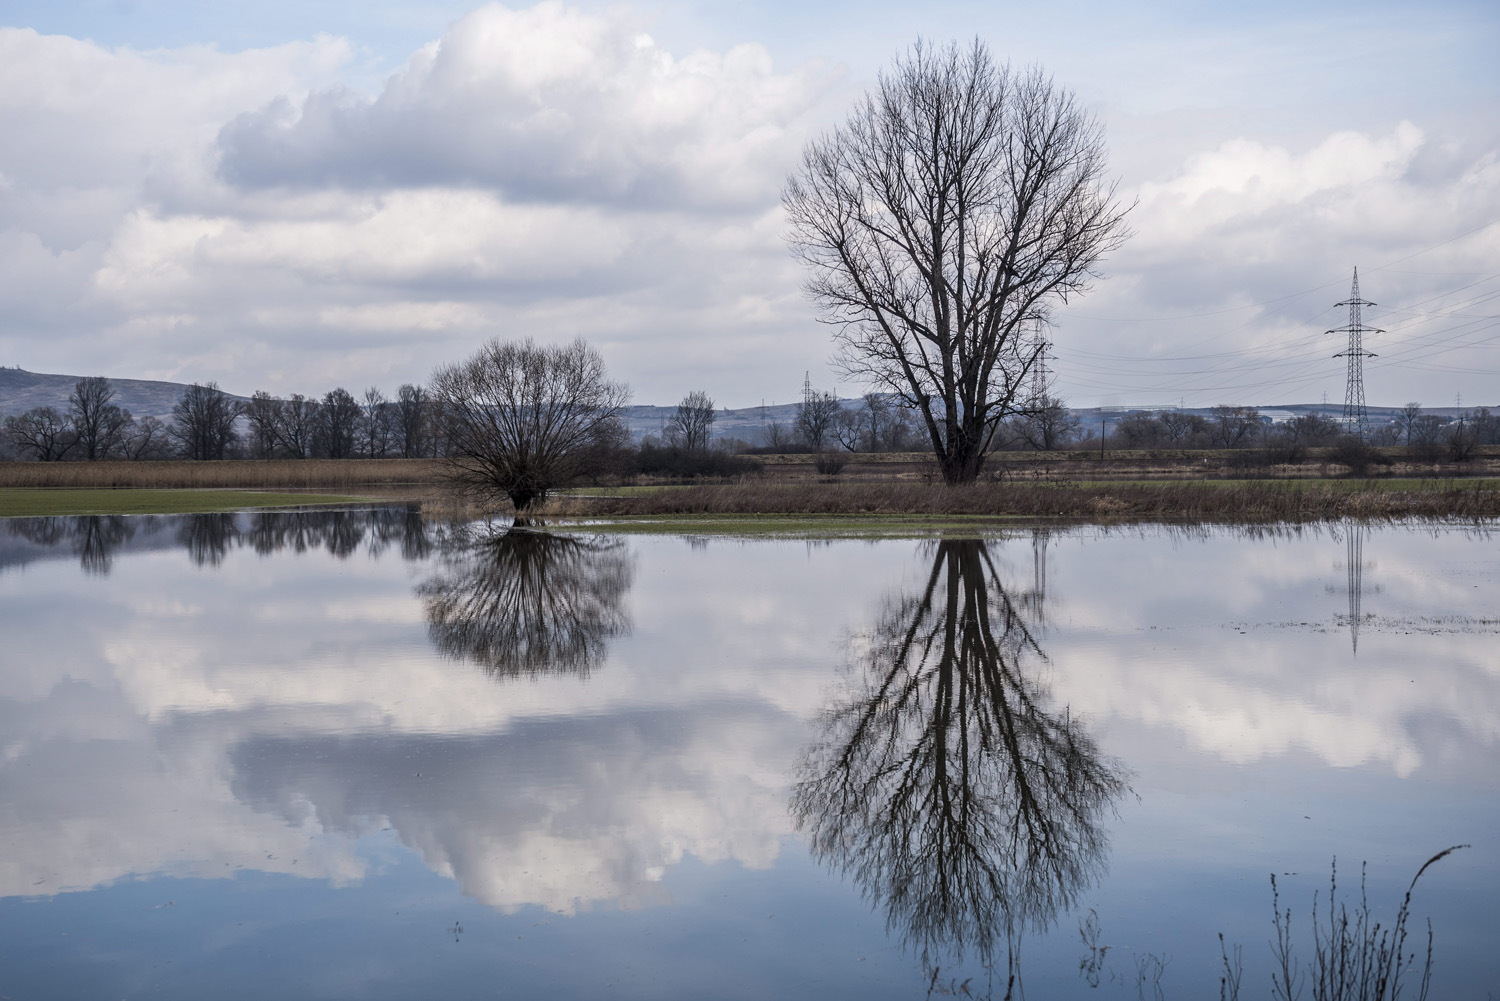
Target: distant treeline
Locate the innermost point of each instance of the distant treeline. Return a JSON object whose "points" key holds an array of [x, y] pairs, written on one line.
{"points": [[1429, 436], [207, 423]]}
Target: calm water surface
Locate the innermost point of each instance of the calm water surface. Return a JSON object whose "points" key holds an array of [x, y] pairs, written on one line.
{"points": [[351, 754]]}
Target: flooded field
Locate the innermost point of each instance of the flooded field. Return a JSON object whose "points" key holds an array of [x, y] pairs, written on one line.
{"points": [[353, 754]]}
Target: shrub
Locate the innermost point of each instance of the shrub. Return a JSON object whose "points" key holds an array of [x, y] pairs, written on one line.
{"points": [[658, 460], [831, 463], [1354, 452]]}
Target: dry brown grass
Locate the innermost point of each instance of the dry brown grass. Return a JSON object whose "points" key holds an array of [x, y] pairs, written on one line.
{"points": [[270, 474], [1247, 501]]}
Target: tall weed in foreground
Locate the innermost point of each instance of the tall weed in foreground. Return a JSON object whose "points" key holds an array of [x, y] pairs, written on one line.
{"points": [[1355, 957]]}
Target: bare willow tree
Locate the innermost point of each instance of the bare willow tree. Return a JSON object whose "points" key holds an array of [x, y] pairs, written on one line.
{"points": [[817, 417], [520, 418], [412, 419], [203, 421], [338, 423], [100, 424], [40, 433], [946, 219], [692, 424]]}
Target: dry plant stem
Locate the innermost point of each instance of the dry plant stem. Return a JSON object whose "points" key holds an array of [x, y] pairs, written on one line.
{"points": [[1355, 958]]}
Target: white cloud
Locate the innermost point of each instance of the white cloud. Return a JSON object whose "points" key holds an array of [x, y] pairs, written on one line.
{"points": [[1216, 280], [255, 219], [546, 104], [251, 220]]}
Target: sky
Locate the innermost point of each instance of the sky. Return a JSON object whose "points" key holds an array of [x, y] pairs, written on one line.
{"points": [[298, 196]]}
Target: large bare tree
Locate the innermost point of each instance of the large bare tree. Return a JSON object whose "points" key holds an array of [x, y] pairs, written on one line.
{"points": [[203, 421], [954, 210], [692, 424], [41, 433], [338, 421], [297, 425], [520, 418], [100, 424], [412, 420]]}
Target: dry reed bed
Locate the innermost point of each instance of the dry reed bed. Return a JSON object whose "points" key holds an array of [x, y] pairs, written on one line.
{"points": [[1248, 502], [242, 474]]}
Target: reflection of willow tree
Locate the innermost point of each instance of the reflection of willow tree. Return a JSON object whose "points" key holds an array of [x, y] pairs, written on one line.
{"points": [[94, 537], [209, 538], [947, 786], [527, 602]]}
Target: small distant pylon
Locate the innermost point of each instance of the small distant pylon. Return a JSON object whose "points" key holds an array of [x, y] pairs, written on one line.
{"points": [[1355, 418], [1040, 382]]}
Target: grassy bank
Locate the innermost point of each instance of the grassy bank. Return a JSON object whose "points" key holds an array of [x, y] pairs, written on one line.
{"points": [[244, 474], [41, 503], [1242, 501]]}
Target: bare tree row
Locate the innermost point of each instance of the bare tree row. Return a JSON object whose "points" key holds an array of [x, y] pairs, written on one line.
{"points": [[207, 423], [93, 427], [877, 422], [339, 426], [1245, 427]]}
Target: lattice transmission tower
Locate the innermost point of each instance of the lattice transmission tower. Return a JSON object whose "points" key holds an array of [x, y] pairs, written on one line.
{"points": [[1040, 380], [1354, 390]]}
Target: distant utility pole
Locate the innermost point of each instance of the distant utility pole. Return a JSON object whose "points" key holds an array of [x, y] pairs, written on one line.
{"points": [[1354, 391]]}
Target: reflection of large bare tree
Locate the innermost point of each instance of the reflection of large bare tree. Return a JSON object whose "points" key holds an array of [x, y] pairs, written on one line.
{"points": [[528, 602], [946, 784]]}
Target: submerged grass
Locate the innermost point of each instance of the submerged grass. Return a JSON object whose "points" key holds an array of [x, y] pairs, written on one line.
{"points": [[39, 503]]}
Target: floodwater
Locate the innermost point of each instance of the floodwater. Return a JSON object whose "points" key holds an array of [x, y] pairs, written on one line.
{"points": [[352, 755]]}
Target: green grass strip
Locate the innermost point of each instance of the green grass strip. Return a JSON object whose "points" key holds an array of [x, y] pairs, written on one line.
{"points": [[31, 503], [1283, 483], [797, 526]]}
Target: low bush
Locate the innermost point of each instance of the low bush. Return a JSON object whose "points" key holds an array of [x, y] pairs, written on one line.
{"points": [[681, 463], [831, 463], [1354, 452]]}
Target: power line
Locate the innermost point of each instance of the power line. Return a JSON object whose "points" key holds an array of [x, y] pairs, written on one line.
{"points": [[1238, 364]]}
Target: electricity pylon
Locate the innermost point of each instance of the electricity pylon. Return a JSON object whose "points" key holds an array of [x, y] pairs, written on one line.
{"points": [[1354, 390], [1039, 377]]}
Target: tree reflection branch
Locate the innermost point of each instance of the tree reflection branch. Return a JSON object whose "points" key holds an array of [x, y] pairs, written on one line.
{"points": [[528, 602], [945, 784]]}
